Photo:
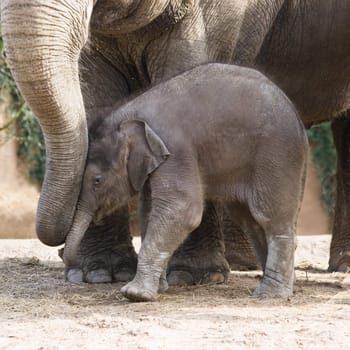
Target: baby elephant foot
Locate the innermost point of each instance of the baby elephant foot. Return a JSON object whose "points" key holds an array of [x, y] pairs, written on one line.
{"points": [[269, 288], [137, 291]]}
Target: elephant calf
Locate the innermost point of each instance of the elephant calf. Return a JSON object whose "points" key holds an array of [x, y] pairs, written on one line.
{"points": [[217, 132]]}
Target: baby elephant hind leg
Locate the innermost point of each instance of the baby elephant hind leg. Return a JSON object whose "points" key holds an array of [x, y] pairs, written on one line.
{"points": [[278, 275], [275, 205], [276, 214]]}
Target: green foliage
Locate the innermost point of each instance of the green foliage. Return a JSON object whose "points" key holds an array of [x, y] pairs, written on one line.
{"points": [[324, 157], [22, 124]]}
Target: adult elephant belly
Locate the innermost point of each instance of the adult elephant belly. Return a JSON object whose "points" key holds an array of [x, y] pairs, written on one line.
{"points": [[308, 56], [319, 91]]}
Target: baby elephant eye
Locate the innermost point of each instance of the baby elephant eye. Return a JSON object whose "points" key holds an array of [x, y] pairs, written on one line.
{"points": [[98, 180]]}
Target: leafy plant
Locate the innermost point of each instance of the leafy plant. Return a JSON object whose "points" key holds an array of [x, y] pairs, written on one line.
{"points": [[21, 124], [325, 159]]}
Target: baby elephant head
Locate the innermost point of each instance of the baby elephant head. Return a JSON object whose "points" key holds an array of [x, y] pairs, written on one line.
{"points": [[118, 165]]}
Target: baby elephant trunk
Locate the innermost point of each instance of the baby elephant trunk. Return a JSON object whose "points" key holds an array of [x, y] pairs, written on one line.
{"points": [[80, 225]]}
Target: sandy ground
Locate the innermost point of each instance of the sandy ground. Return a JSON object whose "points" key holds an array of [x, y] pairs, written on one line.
{"points": [[39, 310]]}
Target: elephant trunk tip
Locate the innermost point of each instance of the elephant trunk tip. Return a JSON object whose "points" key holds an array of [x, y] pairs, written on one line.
{"points": [[49, 234]]}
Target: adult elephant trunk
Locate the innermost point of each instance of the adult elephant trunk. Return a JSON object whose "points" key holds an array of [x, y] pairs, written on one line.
{"points": [[126, 16], [43, 40]]}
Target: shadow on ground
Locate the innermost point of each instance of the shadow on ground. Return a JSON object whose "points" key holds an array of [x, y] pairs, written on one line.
{"points": [[30, 285]]}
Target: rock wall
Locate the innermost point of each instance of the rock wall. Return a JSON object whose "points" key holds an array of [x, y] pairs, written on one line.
{"points": [[18, 198], [313, 218]]}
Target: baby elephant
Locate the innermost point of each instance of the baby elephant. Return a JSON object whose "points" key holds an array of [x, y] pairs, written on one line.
{"points": [[217, 132]]}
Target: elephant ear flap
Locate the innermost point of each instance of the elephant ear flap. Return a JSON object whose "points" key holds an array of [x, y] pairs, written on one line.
{"points": [[155, 143], [147, 151]]}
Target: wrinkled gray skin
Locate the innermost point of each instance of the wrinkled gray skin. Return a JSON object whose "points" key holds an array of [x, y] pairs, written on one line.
{"points": [[248, 148], [72, 58]]}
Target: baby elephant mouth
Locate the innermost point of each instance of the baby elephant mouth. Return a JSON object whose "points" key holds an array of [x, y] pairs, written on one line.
{"points": [[102, 214]]}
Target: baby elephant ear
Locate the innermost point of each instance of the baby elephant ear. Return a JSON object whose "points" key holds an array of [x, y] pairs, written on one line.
{"points": [[155, 143], [146, 153]]}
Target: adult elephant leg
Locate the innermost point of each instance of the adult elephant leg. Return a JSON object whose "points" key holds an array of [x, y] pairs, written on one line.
{"points": [[201, 258], [106, 252], [239, 250], [340, 245]]}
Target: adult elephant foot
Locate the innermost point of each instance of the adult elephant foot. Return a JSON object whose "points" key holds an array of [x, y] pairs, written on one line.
{"points": [[201, 258], [340, 262], [106, 253], [239, 251], [340, 246]]}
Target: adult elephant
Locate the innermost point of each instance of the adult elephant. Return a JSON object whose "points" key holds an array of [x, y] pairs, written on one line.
{"points": [[72, 59]]}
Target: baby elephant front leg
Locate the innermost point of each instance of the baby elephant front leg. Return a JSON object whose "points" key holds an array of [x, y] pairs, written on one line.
{"points": [[167, 228], [146, 283]]}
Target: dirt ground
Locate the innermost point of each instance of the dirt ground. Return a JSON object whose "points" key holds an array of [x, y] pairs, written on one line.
{"points": [[40, 311]]}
